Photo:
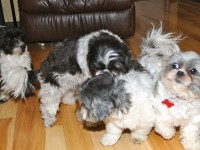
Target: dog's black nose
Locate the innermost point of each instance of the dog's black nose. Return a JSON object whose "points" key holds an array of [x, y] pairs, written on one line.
{"points": [[180, 73]]}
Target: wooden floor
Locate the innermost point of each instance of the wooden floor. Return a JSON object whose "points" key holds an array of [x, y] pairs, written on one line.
{"points": [[21, 126]]}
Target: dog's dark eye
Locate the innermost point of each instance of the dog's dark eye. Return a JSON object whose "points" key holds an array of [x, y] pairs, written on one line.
{"points": [[175, 66], [192, 71]]}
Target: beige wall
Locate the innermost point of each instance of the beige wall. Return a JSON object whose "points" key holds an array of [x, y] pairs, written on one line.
{"points": [[7, 10]]}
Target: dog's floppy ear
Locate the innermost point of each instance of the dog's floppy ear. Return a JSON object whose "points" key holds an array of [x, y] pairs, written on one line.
{"points": [[94, 93], [119, 97], [101, 108], [115, 101], [102, 95]]}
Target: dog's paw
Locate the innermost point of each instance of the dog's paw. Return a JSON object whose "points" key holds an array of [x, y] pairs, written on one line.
{"points": [[49, 122], [192, 144], [167, 132], [109, 139]]}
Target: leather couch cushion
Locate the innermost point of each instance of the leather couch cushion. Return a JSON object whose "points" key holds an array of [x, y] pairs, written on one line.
{"points": [[54, 20], [73, 6]]}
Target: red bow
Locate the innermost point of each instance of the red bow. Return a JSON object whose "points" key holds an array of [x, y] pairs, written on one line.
{"points": [[167, 103]]}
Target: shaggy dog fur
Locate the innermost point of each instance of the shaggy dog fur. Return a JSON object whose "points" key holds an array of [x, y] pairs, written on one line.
{"points": [[176, 87], [122, 102], [75, 60], [16, 71]]}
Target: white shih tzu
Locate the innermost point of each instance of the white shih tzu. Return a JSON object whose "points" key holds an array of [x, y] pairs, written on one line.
{"points": [[16, 71], [122, 102], [176, 87], [75, 60]]}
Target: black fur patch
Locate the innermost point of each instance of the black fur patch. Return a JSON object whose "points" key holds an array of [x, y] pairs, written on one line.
{"points": [[137, 66], [62, 59], [99, 45]]}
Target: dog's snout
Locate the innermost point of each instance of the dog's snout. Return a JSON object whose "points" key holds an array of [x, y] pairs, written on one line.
{"points": [[180, 73]]}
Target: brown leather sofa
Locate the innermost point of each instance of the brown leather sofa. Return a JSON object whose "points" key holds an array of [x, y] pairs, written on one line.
{"points": [[54, 20]]}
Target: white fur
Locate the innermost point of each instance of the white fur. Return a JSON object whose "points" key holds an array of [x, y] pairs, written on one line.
{"points": [[108, 56], [158, 43], [83, 51], [140, 117], [51, 96], [14, 73], [186, 110], [184, 114], [165, 41]]}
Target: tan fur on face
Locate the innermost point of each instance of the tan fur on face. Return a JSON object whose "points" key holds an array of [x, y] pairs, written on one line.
{"points": [[185, 79], [176, 88], [179, 85]]}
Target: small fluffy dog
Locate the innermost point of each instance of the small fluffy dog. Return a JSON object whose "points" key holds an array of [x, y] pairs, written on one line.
{"points": [[176, 87], [122, 102], [16, 71], [75, 60]]}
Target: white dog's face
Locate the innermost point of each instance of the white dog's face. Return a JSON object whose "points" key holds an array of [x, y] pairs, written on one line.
{"points": [[182, 75]]}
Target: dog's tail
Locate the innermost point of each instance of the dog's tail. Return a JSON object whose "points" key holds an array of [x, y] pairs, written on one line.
{"points": [[157, 47], [158, 42]]}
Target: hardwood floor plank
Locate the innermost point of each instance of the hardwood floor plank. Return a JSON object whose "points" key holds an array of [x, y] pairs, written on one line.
{"points": [[39, 53], [4, 125], [77, 138], [134, 45], [29, 131], [190, 44], [9, 109], [55, 138], [157, 142], [1, 107], [10, 134]]}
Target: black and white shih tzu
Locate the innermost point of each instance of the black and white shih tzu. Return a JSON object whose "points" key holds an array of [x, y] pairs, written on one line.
{"points": [[176, 87], [75, 60], [122, 102], [16, 71]]}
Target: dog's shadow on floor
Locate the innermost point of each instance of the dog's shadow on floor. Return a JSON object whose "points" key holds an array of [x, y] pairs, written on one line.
{"points": [[99, 126]]}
